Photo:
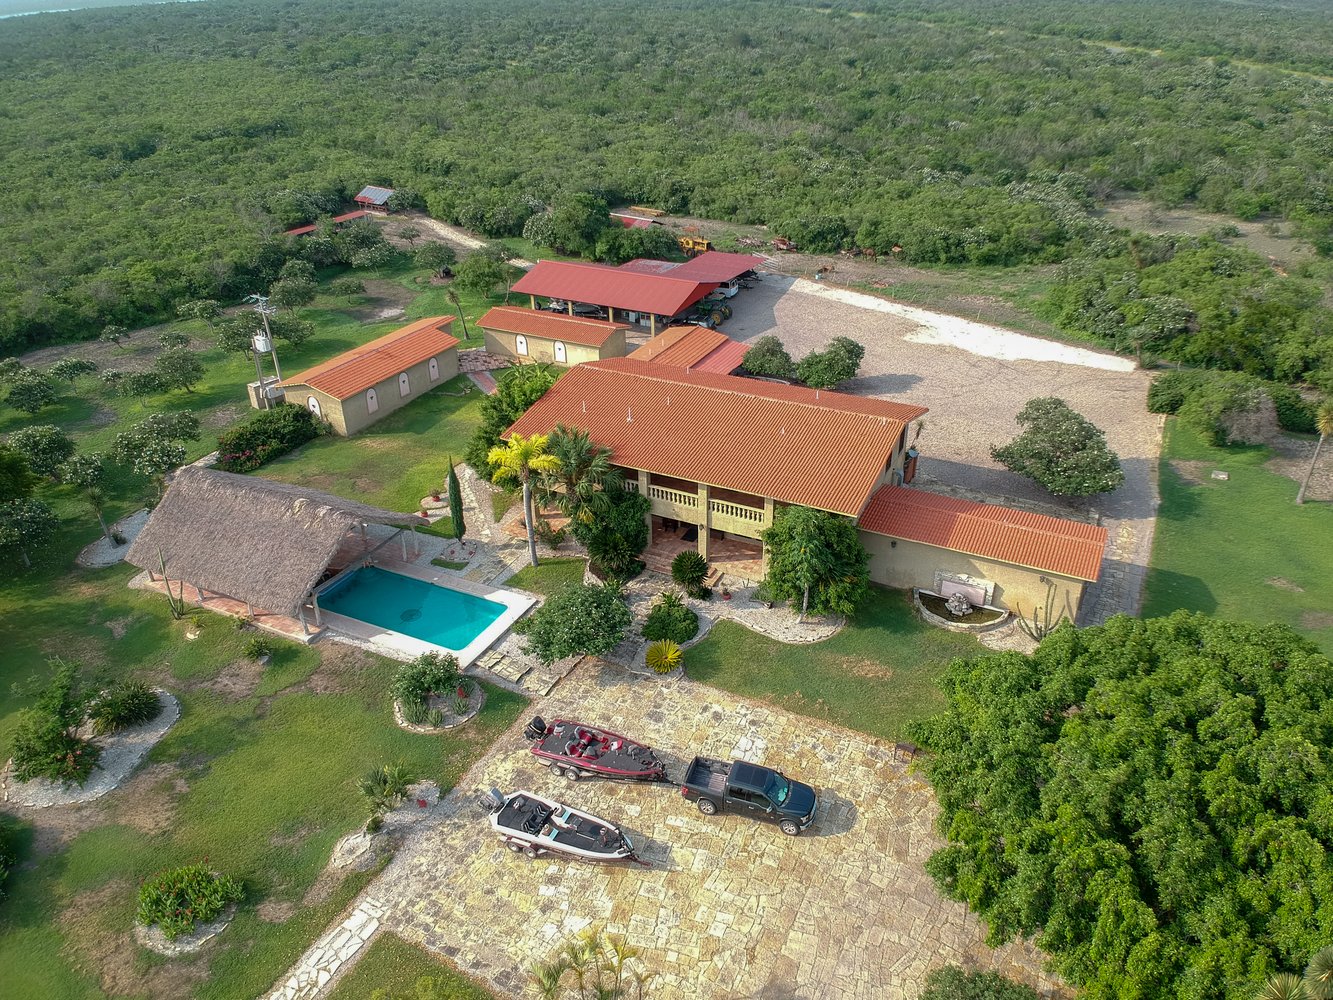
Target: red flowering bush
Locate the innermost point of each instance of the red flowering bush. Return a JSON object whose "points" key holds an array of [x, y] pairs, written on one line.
{"points": [[265, 436]]}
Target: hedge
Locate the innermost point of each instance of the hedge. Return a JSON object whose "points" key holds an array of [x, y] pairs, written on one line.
{"points": [[266, 436]]}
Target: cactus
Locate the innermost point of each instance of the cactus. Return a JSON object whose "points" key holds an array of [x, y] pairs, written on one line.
{"points": [[1043, 621], [177, 604]]}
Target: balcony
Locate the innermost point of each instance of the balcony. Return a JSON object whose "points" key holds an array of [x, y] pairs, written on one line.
{"points": [[736, 518], [674, 503]]}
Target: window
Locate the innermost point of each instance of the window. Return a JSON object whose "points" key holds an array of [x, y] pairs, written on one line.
{"points": [[434, 370], [521, 345], [742, 794], [404, 387], [372, 401], [560, 352], [313, 404]]}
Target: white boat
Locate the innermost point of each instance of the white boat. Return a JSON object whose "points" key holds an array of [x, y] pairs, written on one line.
{"points": [[532, 825]]}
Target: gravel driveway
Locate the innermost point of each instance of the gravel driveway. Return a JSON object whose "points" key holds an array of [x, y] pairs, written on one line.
{"points": [[974, 395]]}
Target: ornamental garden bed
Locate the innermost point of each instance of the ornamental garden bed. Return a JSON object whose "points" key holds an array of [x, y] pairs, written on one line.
{"points": [[935, 610]]}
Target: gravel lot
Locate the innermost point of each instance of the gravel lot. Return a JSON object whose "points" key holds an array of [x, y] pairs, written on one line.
{"points": [[974, 395]]}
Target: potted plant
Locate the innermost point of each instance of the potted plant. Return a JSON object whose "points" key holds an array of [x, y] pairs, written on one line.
{"points": [[726, 594]]}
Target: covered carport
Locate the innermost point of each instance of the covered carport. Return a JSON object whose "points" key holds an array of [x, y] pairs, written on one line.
{"points": [[626, 295]]}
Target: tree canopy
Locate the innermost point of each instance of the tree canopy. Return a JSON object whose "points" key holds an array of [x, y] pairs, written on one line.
{"points": [[1151, 799], [1062, 450], [957, 131], [816, 560], [583, 620]]}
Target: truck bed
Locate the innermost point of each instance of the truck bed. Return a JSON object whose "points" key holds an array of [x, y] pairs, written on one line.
{"points": [[707, 775]]}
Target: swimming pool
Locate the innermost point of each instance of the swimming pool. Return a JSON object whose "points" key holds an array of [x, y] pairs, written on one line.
{"points": [[440, 616]]}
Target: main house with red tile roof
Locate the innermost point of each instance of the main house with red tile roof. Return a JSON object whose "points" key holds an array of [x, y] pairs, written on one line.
{"points": [[360, 386], [532, 336], [717, 455]]}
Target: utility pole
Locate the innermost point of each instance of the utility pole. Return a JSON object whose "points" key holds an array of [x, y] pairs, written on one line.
{"points": [[263, 343]]}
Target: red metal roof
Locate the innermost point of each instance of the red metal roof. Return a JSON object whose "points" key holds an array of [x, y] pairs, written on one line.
{"points": [[645, 265], [610, 286], [805, 446], [680, 346], [1052, 544], [370, 364], [337, 220], [717, 267], [633, 221], [551, 326], [724, 359]]}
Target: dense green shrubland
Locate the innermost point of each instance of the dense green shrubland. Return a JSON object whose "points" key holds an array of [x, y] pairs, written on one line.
{"points": [[156, 154]]}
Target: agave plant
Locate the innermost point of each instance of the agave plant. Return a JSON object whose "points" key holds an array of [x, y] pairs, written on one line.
{"points": [[1284, 986], [1319, 975], [664, 656]]}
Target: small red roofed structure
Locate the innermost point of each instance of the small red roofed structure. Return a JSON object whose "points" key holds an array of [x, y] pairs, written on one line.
{"points": [[375, 199]]}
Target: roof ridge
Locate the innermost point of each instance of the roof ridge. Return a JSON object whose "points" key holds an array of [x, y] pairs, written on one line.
{"points": [[813, 404]]}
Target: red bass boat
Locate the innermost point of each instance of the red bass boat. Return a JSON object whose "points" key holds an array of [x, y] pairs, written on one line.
{"points": [[577, 750]]}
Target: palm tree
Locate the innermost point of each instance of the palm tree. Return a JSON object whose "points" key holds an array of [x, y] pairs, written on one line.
{"points": [[516, 461], [1323, 423], [454, 301], [586, 481], [601, 967]]}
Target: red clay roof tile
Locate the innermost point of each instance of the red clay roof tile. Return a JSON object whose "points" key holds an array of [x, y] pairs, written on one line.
{"points": [[805, 446], [370, 364], [551, 326], [1052, 544]]}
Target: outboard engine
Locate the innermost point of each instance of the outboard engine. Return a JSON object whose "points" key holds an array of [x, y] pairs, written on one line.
{"points": [[492, 801], [535, 729]]}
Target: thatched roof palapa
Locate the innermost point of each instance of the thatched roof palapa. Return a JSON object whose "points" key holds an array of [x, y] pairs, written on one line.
{"points": [[251, 539]]}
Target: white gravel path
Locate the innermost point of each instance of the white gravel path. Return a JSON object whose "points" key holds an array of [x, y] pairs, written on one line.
{"points": [[104, 552], [968, 335], [121, 753]]}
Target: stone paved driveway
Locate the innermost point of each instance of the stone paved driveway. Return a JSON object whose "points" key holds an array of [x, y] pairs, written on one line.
{"points": [[729, 908]]}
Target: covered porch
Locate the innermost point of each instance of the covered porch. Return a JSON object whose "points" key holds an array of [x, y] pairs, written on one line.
{"points": [[737, 560]]}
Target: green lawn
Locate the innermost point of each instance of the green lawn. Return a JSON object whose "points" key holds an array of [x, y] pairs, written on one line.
{"points": [[877, 674], [1239, 548], [395, 462], [258, 776], [396, 967], [548, 577]]}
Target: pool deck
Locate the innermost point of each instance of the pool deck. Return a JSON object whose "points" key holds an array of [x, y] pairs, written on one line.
{"points": [[398, 645]]}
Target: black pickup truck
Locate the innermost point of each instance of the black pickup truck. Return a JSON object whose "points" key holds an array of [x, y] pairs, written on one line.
{"points": [[752, 789]]}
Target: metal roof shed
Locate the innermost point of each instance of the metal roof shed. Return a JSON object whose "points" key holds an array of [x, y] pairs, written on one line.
{"points": [[651, 294]]}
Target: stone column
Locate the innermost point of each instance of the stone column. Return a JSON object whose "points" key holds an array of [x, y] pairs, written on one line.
{"points": [[643, 492], [532, 301], [706, 519], [768, 523]]}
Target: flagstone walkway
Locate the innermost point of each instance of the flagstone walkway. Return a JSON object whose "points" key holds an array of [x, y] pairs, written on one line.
{"points": [[727, 908]]}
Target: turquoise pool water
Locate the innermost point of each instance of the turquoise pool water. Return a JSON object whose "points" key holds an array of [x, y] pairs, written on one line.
{"points": [[438, 615]]}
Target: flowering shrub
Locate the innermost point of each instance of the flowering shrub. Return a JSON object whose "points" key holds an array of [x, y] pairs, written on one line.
{"points": [[46, 744], [265, 436], [428, 674], [176, 900]]}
